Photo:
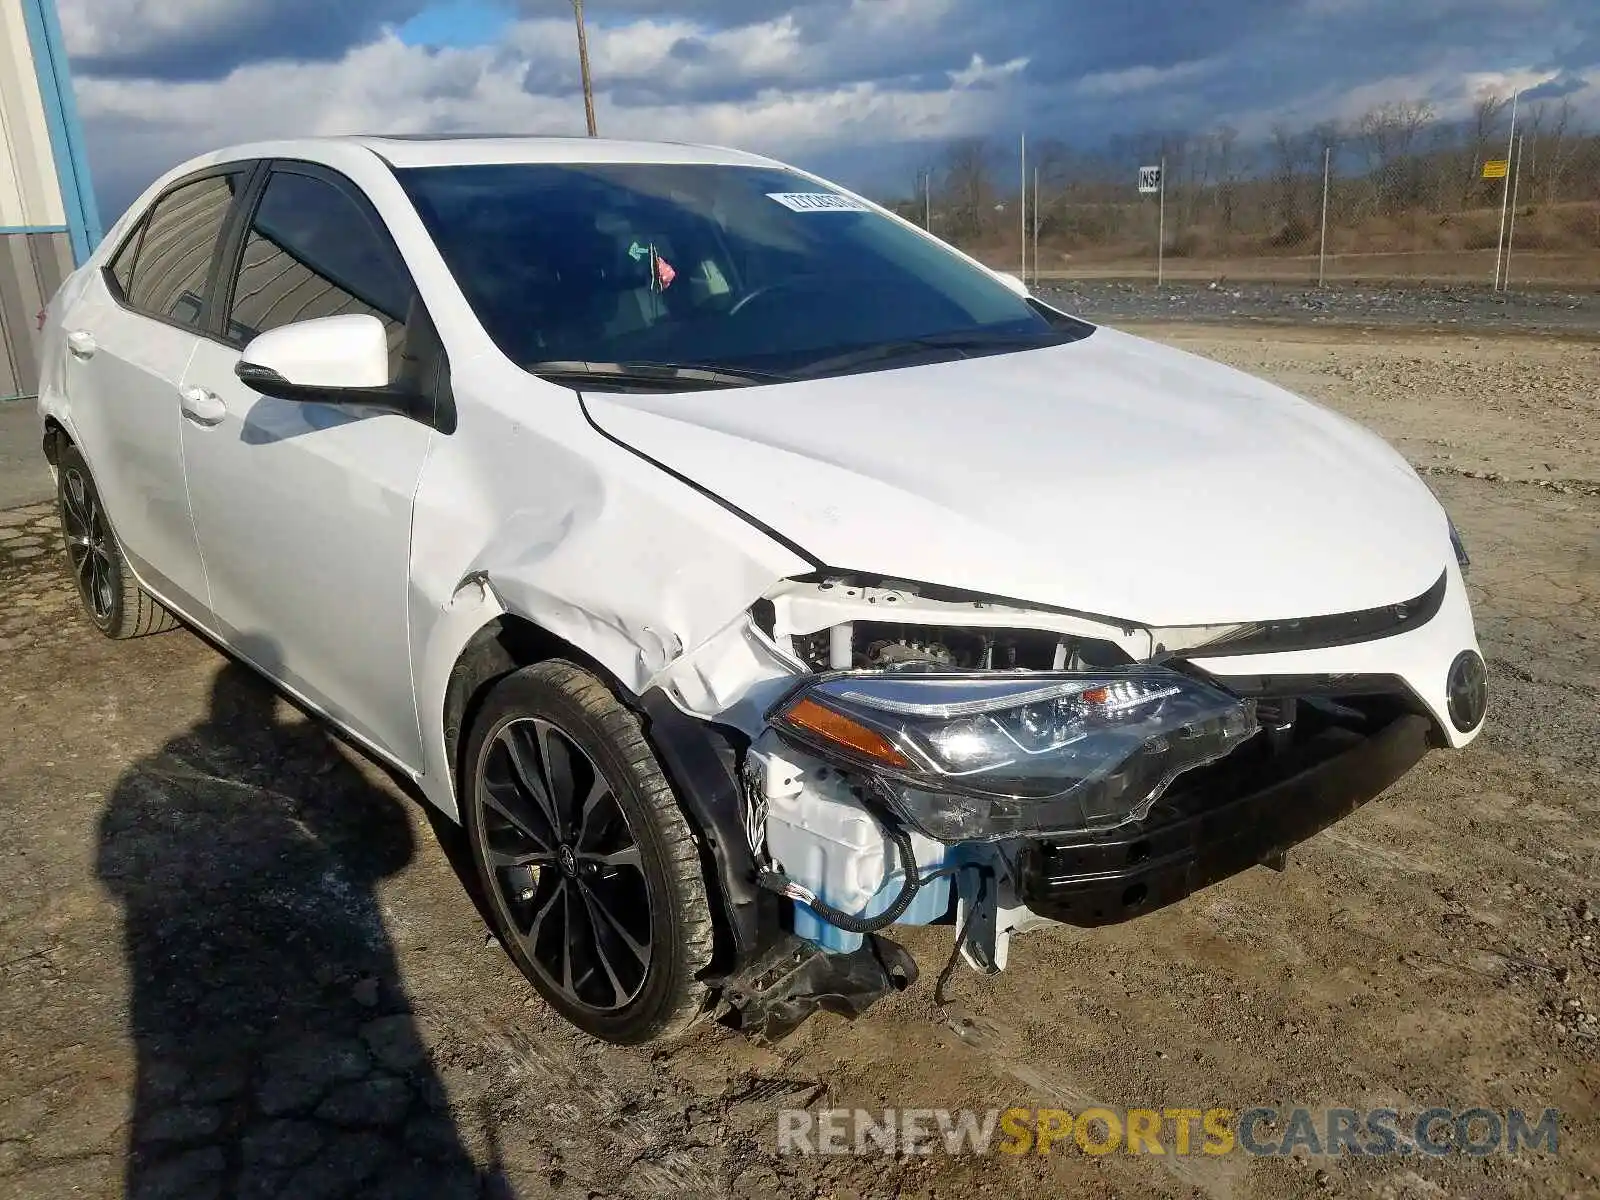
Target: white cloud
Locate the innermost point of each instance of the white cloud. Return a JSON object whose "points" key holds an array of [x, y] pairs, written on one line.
{"points": [[96, 27], [978, 73], [677, 55], [138, 128], [1141, 79], [1450, 91]]}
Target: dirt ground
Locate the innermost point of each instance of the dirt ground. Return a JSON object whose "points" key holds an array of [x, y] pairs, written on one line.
{"points": [[204, 898]]}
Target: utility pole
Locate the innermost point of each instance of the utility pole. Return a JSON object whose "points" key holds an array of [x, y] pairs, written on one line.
{"points": [[583, 63]]}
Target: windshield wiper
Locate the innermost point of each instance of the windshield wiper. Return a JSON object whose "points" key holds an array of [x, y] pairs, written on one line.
{"points": [[963, 343], [653, 375]]}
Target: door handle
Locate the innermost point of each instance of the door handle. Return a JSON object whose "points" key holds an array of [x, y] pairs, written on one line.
{"points": [[200, 406], [81, 343]]}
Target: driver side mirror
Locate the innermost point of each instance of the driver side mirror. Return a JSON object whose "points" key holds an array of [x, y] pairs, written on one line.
{"points": [[329, 360]]}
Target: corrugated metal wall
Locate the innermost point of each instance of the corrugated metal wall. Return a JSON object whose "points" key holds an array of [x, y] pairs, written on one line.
{"points": [[32, 266]]}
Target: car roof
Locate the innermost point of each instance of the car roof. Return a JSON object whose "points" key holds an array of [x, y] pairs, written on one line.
{"points": [[429, 150]]}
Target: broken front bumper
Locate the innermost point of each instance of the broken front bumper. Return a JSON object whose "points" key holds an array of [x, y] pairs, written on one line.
{"points": [[1218, 827]]}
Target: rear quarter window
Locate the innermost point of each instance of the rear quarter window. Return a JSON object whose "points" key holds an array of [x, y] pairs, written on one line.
{"points": [[120, 269], [169, 262]]}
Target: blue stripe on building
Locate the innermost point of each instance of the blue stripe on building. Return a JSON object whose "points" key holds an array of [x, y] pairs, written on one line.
{"points": [[66, 131]]}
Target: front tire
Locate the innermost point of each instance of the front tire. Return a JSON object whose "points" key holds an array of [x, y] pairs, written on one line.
{"points": [[590, 873], [111, 597]]}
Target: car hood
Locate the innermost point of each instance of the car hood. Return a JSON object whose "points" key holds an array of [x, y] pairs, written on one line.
{"points": [[1111, 475]]}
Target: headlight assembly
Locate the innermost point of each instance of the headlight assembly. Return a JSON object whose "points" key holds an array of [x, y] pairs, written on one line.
{"points": [[969, 757]]}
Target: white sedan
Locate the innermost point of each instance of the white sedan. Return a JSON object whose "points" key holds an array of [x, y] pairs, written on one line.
{"points": [[746, 569]]}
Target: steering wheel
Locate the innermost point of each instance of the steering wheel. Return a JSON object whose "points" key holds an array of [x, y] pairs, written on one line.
{"points": [[793, 283]]}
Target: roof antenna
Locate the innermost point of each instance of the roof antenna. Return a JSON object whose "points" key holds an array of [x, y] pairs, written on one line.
{"points": [[583, 63]]}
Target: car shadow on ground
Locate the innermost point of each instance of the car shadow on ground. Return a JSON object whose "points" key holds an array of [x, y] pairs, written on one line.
{"points": [[277, 1052]]}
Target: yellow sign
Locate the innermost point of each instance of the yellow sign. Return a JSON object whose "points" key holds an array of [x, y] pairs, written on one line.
{"points": [[1496, 168]]}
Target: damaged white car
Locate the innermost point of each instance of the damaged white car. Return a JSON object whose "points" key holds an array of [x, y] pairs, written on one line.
{"points": [[746, 569]]}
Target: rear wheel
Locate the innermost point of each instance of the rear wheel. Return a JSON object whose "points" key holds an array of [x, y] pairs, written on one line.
{"points": [[590, 872], [111, 597]]}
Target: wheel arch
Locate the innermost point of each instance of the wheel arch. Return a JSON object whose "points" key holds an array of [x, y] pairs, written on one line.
{"points": [[55, 433], [506, 643], [700, 760]]}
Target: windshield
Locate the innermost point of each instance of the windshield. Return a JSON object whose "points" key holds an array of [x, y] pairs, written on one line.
{"points": [[745, 274]]}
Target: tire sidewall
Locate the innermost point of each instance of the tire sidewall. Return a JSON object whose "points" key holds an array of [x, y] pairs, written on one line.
{"points": [[543, 692]]}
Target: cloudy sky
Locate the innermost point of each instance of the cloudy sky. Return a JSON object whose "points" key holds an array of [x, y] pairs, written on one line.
{"points": [[867, 90]]}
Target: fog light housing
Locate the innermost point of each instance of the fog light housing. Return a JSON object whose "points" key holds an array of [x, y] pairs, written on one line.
{"points": [[1468, 690]]}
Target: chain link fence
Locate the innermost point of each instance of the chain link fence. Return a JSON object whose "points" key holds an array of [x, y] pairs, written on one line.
{"points": [[1395, 197]]}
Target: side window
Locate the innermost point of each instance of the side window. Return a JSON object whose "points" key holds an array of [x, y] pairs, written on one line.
{"points": [[177, 250], [311, 252], [122, 264]]}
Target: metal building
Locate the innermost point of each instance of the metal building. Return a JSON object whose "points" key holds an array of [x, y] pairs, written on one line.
{"points": [[48, 220]]}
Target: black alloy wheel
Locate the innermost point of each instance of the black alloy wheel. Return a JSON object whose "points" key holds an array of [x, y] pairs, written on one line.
{"points": [[90, 552], [590, 872], [111, 596], [566, 865]]}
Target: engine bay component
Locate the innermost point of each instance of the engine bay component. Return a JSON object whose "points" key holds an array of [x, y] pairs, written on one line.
{"points": [[879, 645], [848, 871], [978, 757], [978, 632]]}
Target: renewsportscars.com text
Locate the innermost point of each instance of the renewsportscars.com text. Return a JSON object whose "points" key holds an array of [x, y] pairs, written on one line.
{"points": [[1259, 1131]]}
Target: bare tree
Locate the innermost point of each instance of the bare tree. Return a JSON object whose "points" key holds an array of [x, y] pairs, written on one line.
{"points": [[1296, 161], [1558, 150], [968, 185], [1482, 133], [1228, 195], [1225, 145], [1390, 136]]}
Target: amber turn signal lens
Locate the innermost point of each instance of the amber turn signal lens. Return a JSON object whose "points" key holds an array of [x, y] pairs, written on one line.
{"points": [[824, 722]]}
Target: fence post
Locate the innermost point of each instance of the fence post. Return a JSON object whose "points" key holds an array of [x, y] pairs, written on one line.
{"points": [[1022, 202], [1036, 280], [1322, 251], [1511, 229], [1161, 228], [1505, 192], [927, 201]]}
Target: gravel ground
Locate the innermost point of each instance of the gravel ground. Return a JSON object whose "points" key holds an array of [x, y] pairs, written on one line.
{"points": [[235, 958], [1466, 307]]}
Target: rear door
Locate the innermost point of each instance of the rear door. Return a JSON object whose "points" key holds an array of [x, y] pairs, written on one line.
{"points": [[129, 339], [303, 509]]}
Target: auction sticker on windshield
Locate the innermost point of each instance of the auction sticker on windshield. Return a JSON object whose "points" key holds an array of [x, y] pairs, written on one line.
{"points": [[818, 202]]}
